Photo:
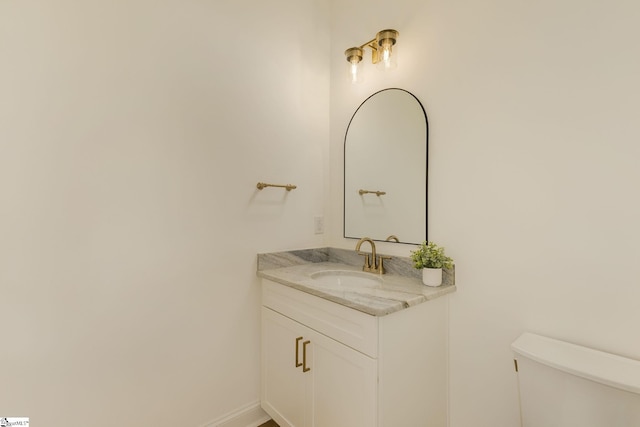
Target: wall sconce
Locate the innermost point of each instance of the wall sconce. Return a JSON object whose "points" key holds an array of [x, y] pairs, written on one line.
{"points": [[381, 54]]}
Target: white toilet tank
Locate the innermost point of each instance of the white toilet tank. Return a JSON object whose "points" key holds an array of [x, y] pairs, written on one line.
{"points": [[566, 385]]}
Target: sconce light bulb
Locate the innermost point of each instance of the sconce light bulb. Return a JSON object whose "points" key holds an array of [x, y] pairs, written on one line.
{"points": [[354, 72], [386, 39], [386, 54], [354, 58]]}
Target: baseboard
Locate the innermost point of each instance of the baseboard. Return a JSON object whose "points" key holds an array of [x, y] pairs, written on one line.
{"points": [[250, 415]]}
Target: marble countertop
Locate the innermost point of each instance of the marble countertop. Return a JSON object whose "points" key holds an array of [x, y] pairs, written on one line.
{"points": [[394, 292]]}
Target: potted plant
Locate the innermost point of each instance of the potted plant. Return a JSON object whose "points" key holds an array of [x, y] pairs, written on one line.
{"points": [[431, 259]]}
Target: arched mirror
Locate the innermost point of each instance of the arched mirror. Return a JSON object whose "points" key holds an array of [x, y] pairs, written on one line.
{"points": [[385, 168]]}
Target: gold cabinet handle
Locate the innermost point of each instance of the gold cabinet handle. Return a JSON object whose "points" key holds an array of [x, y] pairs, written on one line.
{"points": [[304, 356], [298, 364]]}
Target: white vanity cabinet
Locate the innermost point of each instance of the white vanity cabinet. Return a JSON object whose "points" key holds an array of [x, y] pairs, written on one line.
{"points": [[327, 365]]}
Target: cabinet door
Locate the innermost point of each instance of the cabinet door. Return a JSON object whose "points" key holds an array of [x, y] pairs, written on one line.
{"points": [[336, 388], [345, 384], [284, 389]]}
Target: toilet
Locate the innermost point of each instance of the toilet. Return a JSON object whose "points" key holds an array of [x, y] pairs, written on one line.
{"points": [[567, 385]]}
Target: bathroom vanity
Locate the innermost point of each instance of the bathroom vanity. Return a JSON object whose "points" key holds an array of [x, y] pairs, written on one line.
{"points": [[345, 348]]}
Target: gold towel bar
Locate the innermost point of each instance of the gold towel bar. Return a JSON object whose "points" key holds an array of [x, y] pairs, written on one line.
{"points": [[377, 193], [262, 185]]}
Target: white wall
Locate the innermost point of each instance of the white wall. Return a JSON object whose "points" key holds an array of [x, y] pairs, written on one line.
{"points": [[132, 135], [533, 110]]}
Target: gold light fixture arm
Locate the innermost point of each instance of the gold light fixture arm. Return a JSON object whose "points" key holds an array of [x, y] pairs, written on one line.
{"points": [[371, 43], [374, 50], [262, 185], [377, 193]]}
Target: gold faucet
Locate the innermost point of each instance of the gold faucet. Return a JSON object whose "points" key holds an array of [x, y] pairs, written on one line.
{"points": [[373, 264]]}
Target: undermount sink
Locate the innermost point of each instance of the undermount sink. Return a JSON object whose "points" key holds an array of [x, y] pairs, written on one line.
{"points": [[346, 279]]}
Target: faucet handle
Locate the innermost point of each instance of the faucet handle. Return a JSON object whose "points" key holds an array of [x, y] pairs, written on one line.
{"points": [[380, 267], [367, 262]]}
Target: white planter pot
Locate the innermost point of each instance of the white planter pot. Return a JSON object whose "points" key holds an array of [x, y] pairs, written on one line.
{"points": [[432, 276]]}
